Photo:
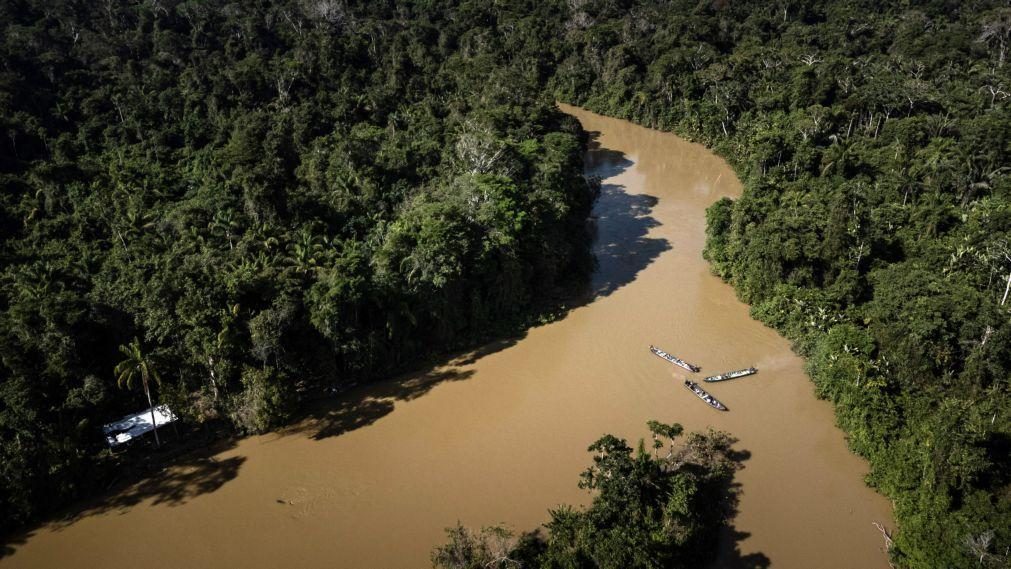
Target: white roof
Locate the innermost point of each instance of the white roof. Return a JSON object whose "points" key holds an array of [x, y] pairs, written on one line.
{"points": [[135, 425]]}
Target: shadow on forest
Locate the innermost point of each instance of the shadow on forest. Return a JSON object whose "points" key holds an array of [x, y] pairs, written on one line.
{"points": [[620, 223], [190, 473]]}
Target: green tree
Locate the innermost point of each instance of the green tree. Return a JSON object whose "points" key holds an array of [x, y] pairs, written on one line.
{"points": [[137, 364], [647, 511]]}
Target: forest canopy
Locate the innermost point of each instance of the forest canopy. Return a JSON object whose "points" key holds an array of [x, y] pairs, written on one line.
{"points": [[282, 198], [873, 140], [277, 199]]}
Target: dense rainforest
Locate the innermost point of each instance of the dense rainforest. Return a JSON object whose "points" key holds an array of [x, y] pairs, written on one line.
{"points": [[873, 140], [279, 199], [275, 199]]}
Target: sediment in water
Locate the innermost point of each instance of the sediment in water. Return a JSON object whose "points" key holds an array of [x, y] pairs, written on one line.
{"points": [[502, 436]]}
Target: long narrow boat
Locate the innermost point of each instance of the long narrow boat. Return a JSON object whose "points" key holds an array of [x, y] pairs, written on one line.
{"points": [[701, 393], [731, 374], [674, 360]]}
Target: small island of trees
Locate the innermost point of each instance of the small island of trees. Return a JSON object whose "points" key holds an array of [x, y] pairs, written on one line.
{"points": [[652, 508]]}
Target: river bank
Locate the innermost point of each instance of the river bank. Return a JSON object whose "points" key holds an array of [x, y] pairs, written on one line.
{"points": [[499, 436]]}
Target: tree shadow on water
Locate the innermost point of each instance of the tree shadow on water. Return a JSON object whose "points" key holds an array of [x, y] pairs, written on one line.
{"points": [[472, 356], [603, 162], [186, 477], [10, 544], [182, 482], [729, 554], [621, 245], [363, 406], [728, 549], [189, 476], [621, 222]]}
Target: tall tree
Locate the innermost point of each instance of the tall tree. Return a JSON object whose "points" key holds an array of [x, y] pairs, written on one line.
{"points": [[138, 364]]}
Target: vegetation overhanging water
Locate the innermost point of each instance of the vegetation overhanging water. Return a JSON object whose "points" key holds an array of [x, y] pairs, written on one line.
{"points": [[279, 198]]}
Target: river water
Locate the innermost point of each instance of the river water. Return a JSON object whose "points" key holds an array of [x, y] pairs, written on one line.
{"points": [[500, 436]]}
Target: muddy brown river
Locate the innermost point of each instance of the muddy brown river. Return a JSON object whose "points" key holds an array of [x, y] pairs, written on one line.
{"points": [[500, 436]]}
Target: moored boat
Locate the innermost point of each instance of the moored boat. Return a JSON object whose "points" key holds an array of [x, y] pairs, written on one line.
{"points": [[674, 359], [731, 374], [703, 395]]}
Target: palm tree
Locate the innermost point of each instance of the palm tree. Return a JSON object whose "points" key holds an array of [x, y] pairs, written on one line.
{"points": [[136, 363], [306, 251], [225, 225]]}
